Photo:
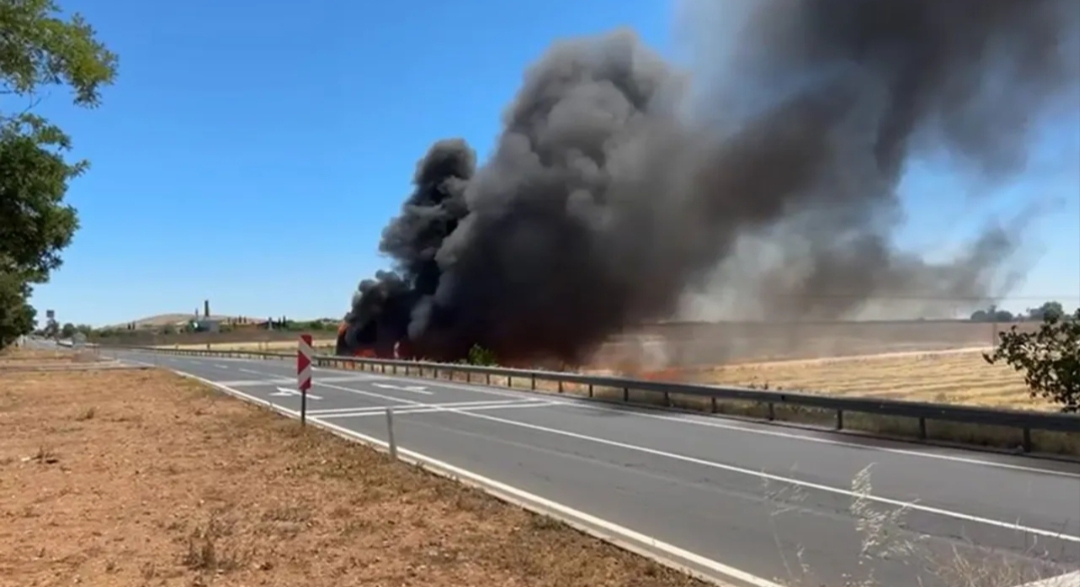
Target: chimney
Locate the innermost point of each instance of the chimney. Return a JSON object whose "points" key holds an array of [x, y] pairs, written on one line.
{"points": [[206, 309]]}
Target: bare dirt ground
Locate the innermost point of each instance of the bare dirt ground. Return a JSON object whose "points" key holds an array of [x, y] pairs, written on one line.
{"points": [[112, 478]]}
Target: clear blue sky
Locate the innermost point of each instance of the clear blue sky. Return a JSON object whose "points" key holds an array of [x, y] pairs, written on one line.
{"points": [[251, 153]]}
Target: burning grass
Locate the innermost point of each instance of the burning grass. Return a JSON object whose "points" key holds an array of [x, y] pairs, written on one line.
{"points": [[142, 477]]}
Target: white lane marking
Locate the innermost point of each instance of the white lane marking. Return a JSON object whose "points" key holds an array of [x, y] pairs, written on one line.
{"points": [[413, 388], [787, 480], [436, 409], [220, 366], [700, 421], [251, 371], [621, 536], [250, 382], [719, 422], [1066, 580], [380, 409], [741, 470], [287, 381], [286, 392]]}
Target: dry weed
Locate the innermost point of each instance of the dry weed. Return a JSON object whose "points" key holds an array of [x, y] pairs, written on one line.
{"points": [[883, 536]]}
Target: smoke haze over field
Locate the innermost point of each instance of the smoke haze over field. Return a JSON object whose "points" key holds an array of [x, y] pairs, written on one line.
{"points": [[619, 182]]}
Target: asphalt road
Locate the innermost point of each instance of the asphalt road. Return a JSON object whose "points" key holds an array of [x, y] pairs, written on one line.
{"points": [[762, 499]]}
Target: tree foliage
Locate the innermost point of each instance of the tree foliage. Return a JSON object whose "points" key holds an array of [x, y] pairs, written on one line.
{"points": [[16, 315], [40, 48], [479, 355], [1048, 357]]}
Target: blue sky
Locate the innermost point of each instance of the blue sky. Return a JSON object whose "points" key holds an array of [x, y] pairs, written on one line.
{"points": [[252, 157]]}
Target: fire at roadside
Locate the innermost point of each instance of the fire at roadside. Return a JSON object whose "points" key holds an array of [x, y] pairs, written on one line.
{"points": [[620, 183]]}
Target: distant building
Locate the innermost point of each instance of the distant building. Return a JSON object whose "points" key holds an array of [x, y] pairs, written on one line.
{"points": [[207, 324]]}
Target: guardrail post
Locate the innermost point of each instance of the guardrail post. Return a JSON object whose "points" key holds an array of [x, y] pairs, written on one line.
{"points": [[487, 378], [772, 411], [590, 390], [532, 381], [468, 377], [713, 402], [560, 386], [839, 419], [667, 399], [922, 428], [626, 395], [1027, 439], [390, 433]]}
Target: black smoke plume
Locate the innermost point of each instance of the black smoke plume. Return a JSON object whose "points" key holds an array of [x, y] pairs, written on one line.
{"points": [[618, 183]]}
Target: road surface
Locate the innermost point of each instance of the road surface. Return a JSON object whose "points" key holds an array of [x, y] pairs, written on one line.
{"points": [[762, 499]]}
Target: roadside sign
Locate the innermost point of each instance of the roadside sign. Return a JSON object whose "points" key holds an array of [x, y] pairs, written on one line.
{"points": [[304, 354]]}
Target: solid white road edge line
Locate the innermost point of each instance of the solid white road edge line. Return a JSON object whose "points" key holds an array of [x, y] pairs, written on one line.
{"points": [[740, 470], [666, 554]]}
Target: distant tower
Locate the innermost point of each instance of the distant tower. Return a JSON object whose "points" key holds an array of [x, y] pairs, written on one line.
{"points": [[206, 309]]}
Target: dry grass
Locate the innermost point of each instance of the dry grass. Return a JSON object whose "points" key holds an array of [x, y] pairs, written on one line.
{"points": [[144, 478], [960, 377], [884, 535]]}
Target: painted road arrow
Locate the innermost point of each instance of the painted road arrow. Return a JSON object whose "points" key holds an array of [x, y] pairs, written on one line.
{"points": [[413, 388], [285, 391]]}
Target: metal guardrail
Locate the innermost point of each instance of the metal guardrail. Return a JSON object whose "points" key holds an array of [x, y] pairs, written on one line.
{"points": [[1027, 421]]}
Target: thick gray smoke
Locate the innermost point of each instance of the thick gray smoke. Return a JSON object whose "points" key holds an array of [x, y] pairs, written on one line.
{"points": [[605, 201]]}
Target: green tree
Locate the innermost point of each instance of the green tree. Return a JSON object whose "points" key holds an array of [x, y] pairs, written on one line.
{"points": [[16, 316], [67, 330], [479, 355], [1049, 358], [40, 48]]}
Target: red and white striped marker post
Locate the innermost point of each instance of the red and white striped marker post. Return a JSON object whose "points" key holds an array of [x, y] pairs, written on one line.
{"points": [[304, 355]]}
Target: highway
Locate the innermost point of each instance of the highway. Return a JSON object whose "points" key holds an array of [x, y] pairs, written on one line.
{"points": [[748, 497]]}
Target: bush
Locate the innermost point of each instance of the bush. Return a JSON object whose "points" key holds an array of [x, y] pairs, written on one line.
{"points": [[479, 355], [1049, 358]]}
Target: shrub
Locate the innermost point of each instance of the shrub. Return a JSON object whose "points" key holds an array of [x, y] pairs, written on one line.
{"points": [[1049, 358]]}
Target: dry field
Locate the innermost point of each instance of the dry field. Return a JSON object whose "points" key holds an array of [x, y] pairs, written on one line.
{"points": [[960, 376], [921, 361], [139, 477]]}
